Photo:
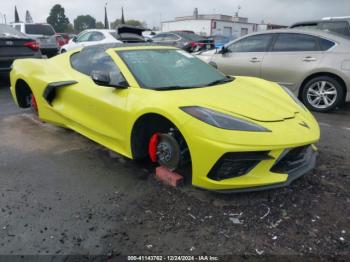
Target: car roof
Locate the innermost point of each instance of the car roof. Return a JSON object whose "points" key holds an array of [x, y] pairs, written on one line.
{"points": [[131, 46], [315, 32], [100, 30], [320, 21]]}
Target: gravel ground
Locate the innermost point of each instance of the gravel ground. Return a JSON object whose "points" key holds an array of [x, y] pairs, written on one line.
{"points": [[62, 194]]}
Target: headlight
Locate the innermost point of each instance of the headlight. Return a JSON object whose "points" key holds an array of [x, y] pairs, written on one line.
{"points": [[221, 120], [296, 100]]}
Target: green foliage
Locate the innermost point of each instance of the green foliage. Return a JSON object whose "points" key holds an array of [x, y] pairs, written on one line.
{"points": [[83, 22], [58, 19], [131, 22], [100, 25]]}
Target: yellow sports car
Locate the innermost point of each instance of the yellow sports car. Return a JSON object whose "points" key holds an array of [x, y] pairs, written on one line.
{"points": [[161, 103]]}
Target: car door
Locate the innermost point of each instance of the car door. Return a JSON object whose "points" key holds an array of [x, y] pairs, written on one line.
{"points": [[244, 57], [290, 59], [95, 110]]}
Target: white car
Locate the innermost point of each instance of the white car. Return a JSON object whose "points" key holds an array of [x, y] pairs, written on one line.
{"points": [[91, 37]]}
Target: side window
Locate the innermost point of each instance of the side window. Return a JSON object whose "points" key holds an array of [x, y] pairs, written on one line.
{"points": [[170, 37], [325, 44], [103, 62], [158, 37], [84, 37], [255, 43], [341, 27], [96, 36], [82, 61], [295, 43], [93, 59]]}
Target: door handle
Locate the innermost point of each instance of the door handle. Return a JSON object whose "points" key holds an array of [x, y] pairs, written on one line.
{"points": [[309, 59], [254, 60]]}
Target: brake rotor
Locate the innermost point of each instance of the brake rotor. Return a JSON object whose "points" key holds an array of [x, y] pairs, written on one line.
{"points": [[168, 151]]}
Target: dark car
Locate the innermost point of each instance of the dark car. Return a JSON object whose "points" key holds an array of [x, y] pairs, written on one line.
{"points": [[129, 34], [189, 42], [13, 45], [336, 25]]}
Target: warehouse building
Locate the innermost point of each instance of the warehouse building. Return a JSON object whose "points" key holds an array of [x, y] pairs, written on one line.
{"points": [[211, 24]]}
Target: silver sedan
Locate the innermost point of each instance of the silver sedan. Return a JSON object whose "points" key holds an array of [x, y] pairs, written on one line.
{"points": [[313, 64]]}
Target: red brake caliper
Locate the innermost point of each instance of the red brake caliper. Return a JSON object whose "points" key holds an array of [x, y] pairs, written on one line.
{"points": [[34, 104], [152, 147]]}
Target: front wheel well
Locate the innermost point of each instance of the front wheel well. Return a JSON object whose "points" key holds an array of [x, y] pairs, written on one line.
{"points": [[338, 78], [144, 127], [23, 93]]}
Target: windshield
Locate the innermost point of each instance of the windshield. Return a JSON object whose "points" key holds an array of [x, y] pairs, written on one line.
{"points": [[8, 31], [165, 69], [39, 29]]}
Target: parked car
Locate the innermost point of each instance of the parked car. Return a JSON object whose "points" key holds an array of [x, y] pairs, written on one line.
{"points": [[130, 34], [220, 40], [187, 41], [44, 34], [314, 65], [165, 105], [66, 37], [122, 34], [90, 37], [339, 25], [60, 40], [13, 45]]}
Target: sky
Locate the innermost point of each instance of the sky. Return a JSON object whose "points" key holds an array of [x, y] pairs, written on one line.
{"points": [[283, 12]]}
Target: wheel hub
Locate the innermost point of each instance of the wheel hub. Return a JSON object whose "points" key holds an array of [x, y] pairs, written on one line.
{"points": [[322, 94]]}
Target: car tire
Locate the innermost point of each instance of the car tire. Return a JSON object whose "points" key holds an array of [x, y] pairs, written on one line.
{"points": [[323, 94]]}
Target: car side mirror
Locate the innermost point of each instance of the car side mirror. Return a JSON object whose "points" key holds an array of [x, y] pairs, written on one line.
{"points": [[75, 38], [100, 78]]}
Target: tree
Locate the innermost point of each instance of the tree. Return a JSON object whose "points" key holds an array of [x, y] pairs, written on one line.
{"points": [[131, 22], [70, 28], [58, 19], [29, 18], [100, 25], [16, 15], [83, 22]]}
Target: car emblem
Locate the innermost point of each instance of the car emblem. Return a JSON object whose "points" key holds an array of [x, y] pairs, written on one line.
{"points": [[9, 42], [304, 124]]}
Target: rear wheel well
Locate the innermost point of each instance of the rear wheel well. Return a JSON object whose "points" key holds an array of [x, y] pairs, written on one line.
{"points": [[23, 93], [339, 79], [143, 129]]}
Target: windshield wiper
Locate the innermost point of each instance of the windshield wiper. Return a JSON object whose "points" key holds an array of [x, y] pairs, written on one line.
{"points": [[227, 79]]}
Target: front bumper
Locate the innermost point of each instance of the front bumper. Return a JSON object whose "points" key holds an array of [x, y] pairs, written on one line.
{"points": [[307, 164], [208, 145]]}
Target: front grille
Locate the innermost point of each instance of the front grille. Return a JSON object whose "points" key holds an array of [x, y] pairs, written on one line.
{"points": [[236, 164], [292, 159]]}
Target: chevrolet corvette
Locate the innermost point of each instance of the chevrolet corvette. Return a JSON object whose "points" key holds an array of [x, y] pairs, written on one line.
{"points": [[165, 105]]}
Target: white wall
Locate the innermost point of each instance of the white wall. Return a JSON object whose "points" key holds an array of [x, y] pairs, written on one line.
{"points": [[236, 28], [203, 27]]}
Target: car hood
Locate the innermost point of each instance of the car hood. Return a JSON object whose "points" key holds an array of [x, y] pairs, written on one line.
{"points": [[252, 98]]}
